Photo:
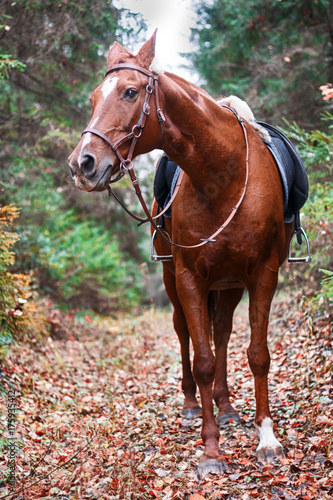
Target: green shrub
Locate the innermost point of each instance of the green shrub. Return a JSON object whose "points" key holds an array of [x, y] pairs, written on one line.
{"points": [[7, 63], [316, 150], [76, 256], [328, 284], [81, 254]]}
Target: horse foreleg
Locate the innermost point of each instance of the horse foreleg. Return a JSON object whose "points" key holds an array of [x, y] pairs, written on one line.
{"points": [[191, 408], [261, 296], [224, 305], [194, 301]]}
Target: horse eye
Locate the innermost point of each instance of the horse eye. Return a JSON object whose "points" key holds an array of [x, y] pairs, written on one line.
{"points": [[130, 94]]}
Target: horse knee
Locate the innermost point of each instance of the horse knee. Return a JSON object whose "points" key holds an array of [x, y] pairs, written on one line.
{"points": [[259, 360], [204, 369]]}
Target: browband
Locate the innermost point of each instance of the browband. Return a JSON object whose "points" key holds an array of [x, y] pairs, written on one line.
{"points": [[116, 67]]}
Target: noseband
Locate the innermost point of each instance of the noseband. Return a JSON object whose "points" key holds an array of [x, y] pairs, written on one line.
{"points": [[139, 126]]}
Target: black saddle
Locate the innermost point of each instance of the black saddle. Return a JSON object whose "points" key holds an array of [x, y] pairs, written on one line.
{"points": [[292, 171], [166, 177]]}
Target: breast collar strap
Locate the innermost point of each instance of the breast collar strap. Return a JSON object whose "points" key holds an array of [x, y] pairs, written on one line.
{"points": [[137, 129]]}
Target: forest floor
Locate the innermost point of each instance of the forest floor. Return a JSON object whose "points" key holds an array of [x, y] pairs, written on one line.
{"points": [[99, 413]]}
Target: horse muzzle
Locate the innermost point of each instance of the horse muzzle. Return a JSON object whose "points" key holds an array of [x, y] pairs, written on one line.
{"points": [[88, 175]]}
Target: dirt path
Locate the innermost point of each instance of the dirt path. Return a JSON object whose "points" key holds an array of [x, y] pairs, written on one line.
{"points": [[99, 414]]}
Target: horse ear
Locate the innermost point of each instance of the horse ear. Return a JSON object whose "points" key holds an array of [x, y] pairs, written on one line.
{"points": [[115, 52], [146, 54]]}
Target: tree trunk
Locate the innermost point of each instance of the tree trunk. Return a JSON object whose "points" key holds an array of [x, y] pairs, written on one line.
{"points": [[330, 57]]}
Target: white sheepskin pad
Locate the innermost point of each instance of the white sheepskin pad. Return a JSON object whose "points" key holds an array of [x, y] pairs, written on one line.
{"points": [[244, 110]]}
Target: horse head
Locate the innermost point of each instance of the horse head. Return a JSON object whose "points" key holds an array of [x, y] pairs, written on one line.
{"points": [[120, 107]]}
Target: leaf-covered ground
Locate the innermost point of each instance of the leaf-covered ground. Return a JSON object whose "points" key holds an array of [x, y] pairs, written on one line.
{"points": [[100, 413]]}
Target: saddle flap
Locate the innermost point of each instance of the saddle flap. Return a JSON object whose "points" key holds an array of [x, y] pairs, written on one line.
{"points": [[291, 168], [166, 176]]}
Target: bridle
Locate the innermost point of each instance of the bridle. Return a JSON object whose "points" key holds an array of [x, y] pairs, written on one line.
{"points": [[137, 129], [126, 165]]}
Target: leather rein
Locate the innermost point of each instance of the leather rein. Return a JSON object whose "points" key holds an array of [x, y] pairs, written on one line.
{"points": [[126, 165]]}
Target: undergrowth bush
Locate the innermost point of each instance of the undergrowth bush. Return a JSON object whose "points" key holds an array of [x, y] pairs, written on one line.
{"points": [[77, 258], [328, 284], [84, 261], [316, 150], [13, 287]]}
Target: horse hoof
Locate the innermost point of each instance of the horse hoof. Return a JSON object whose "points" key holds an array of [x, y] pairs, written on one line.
{"points": [[267, 455], [212, 465], [192, 413], [225, 417]]}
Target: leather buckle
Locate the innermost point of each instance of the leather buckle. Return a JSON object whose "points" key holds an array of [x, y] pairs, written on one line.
{"points": [[146, 109]]}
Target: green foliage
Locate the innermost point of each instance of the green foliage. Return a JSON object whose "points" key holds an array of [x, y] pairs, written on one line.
{"points": [[77, 258], [328, 284], [82, 254], [316, 149], [61, 45], [315, 146], [7, 64], [66, 239], [270, 53]]}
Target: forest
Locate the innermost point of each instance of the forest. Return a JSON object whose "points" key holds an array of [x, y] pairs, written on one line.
{"points": [[73, 263]]}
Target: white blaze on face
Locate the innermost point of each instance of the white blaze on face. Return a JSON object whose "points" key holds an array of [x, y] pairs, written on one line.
{"points": [[266, 435], [108, 86], [87, 138], [85, 142]]}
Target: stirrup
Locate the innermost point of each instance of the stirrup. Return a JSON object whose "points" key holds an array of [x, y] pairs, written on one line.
{"points": [[153, 254], [300, 231]]}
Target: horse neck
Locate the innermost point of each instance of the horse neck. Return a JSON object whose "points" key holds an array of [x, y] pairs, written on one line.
{"points": [[200, 136]]}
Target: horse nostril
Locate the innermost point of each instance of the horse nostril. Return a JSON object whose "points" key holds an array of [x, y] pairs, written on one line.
{"points": [[72, 172], [88, 164]]}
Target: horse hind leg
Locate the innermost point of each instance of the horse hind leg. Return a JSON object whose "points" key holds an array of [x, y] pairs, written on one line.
{"points": [[222, 306], [191, 408], [261, 295]]}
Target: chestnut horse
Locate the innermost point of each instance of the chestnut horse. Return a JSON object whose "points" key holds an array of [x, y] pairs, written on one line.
{"points": [[230, 179]]}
